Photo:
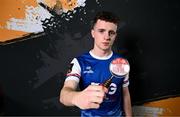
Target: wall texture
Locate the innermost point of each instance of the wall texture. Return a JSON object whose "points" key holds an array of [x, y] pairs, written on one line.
{"points": [[39, 38]]}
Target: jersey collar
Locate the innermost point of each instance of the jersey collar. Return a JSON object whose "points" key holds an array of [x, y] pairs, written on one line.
{"points": [[101, 58]]}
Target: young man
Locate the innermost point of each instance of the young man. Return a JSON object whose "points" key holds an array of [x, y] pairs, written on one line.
{"points": [[90, 70]]}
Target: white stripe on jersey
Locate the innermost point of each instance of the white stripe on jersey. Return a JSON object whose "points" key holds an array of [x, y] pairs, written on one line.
{"points": [[126, 80]]}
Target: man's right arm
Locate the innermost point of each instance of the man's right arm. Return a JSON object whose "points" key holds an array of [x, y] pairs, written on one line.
{"points": [[91, 97], [68, 92]]}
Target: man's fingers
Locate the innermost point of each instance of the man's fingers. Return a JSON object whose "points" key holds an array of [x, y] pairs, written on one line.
{"points": [[97, 100], [97, 88], [93, 95], [94, 105], [100, 94]]}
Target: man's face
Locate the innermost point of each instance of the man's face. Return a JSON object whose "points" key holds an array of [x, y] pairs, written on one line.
{"points": [[104, 34]]}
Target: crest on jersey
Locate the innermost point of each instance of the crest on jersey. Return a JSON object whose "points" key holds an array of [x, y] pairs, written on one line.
{"points": [[70, 68]]}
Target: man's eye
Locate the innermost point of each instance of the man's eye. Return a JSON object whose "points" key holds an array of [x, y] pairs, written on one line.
{"points": [[101, 31], [112, 33]]}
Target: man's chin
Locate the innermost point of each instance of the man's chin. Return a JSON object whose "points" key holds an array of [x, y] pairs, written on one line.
{"points": [[106, 49]]}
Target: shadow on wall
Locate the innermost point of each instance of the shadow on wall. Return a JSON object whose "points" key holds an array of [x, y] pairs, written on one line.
{"points": [[131, 45], [1, 101], [135, 55]]}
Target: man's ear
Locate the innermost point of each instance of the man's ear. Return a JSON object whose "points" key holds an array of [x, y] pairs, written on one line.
{"points": [[92, 33]]}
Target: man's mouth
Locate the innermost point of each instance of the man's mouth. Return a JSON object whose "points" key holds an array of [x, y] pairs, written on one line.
{"points": [[105, 43]]}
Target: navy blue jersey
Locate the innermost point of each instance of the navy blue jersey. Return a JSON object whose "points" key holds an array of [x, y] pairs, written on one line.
{"points": [[89, 69]]}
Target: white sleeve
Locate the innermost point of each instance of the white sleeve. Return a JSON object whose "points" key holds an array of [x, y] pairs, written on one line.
{"points": [[126, 81], [74, 72]]}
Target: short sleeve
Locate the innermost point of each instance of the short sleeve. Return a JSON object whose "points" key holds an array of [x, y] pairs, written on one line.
{"points": [[74, 71], [126, 81]]}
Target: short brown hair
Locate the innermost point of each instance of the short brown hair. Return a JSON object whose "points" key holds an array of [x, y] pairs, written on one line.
{"points": [[106, 16]]}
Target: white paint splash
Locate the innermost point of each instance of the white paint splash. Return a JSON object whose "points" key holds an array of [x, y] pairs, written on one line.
{"points": [[81, 3], [32, 23], [69, 15]]}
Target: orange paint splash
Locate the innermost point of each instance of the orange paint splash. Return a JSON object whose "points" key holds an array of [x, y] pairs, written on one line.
{"points": [[9, 9]]}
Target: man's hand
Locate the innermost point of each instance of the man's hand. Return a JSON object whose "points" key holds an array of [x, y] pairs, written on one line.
{"points": [[91, 97]]}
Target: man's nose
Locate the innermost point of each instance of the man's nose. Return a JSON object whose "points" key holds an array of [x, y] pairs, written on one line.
{"points": [[107, 36]]}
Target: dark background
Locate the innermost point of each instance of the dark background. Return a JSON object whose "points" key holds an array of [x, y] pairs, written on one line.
{"points": [[32, 71]]}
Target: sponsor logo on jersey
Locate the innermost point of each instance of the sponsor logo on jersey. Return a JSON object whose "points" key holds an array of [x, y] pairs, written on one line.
{"points": [[112, 89], [88, 70]]}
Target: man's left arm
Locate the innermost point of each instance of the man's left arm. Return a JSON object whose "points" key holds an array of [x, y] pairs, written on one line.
{"points": [[127, 102]]}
